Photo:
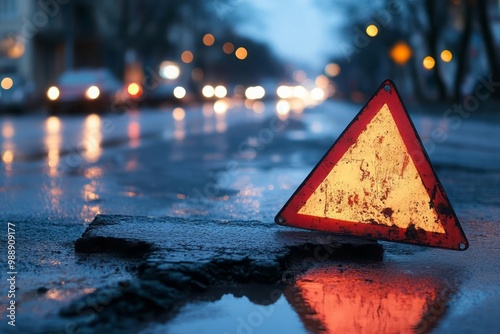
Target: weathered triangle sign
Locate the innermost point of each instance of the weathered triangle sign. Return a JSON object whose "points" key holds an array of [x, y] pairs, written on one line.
{"points": [[377, 182]]}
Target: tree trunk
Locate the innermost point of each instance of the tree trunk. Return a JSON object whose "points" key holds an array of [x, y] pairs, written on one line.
{"points": [[488, 39], [464, 47], [432, 39]]}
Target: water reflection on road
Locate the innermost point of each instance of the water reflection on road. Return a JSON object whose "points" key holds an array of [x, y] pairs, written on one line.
{"points": [[334, 300]]}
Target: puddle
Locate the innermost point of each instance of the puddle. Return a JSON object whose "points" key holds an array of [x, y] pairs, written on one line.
{"points": [[232, 315], [331, 299], [335, 300]]}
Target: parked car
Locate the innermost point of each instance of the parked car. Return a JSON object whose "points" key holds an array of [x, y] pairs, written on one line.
{"points": [[16, 93], [83, 90]]}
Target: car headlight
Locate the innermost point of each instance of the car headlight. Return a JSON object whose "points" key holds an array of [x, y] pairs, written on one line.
{"points": [[53, 93], [92, 92]]}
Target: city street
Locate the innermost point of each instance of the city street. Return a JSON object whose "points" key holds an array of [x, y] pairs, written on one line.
{"points": [[228, 167]]}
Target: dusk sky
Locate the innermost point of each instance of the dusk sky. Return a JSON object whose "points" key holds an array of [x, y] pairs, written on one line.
{"points": [[298, 31]]}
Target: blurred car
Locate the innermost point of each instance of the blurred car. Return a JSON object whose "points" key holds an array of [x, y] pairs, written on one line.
{"points": [[16, 94], [83, 90], [167, 92]]}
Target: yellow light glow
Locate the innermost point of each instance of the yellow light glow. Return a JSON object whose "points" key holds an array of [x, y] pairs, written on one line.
{"points": [[7, 83], [92, 138], [208, 39], [92, 92], [220, 91], [352, 180], [92, 121], [228, 48], [53, 93], [220, 107], [208, 91], [53, 124], [400, 53], [283, 107], [241, 53], [284, 92], [179, 92], [187, 57], [178, 114], [446, 56], [16, 50], [134, 89], [332, 69], [428, 63], [8, 157], [372, 30]]}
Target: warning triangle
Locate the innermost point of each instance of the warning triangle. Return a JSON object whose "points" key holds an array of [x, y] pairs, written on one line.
{"points": [[377, 182]]}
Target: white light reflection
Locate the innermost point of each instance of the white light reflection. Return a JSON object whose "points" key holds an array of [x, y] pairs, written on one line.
{"points": [[92, 138], [7, 153], [282, 109], [53, 144], [179, 115]]}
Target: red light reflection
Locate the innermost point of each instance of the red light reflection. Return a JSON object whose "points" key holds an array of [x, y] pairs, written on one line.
{"points": [[335, 301]]}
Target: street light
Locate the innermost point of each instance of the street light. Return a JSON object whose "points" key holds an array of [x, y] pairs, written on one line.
{"points": [[400, 53], [187, 56], [208, 39], [228, 48], [428, 63], [241, 53], [446, 56], [372, 30]]}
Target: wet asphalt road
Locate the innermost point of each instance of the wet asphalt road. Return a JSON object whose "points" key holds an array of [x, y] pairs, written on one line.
{"points": [[58, 173]]}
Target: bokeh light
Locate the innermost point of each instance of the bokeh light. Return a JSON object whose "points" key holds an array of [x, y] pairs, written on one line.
{"points": [[187, 57], [220, 107], [428, 63], [208, 91], [220, 91], [241, 53], [400, 53], [134, 89], [179, 92], [332, 69], [255, 93], [92, 92], [208, 39], [53, 93], [372, 30], [178, 114], [228, 48], [169, 70], [7, 83], [446, 56], [284, 92], [283, 107]]}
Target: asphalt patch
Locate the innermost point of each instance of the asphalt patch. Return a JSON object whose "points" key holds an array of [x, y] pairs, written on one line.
{"points": [[184, 258]]}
